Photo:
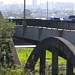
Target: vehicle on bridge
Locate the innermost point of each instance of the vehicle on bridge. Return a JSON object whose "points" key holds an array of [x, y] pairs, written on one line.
{"points": [[54, 18], [70, 18]]}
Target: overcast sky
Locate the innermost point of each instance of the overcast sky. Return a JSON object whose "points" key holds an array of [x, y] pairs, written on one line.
{"points": [[30, 1]]}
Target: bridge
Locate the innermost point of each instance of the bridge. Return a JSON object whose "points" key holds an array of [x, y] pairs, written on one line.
{"points": [[56, 36]]}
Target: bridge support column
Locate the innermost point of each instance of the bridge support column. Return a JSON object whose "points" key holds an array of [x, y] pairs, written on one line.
{"points": [[24, 27], [42, 62], [54, 62], [69, 70]]}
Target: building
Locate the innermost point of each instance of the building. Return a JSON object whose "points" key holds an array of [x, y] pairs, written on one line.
{"points": [[34, 4]]}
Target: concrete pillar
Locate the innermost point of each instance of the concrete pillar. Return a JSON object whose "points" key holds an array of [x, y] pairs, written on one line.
{"points": [[42, 62], [24, 27], [40, 32], [69, 68], [60, 33], [54, 62]]}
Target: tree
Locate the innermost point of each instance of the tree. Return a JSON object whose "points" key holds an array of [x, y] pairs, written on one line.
{"points": [[6, 29], [27, 14], [6, 33], [1, 16]]}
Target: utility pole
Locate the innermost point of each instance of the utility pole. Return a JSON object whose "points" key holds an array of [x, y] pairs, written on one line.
{"points": [[24, 21], [24, 10], [47, 9]]}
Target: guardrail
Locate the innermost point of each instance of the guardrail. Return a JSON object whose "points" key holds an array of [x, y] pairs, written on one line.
{"points": [[70, 25]]}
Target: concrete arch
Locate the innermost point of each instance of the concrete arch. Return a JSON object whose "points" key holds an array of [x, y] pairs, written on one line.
{"points": [[64, 46]]}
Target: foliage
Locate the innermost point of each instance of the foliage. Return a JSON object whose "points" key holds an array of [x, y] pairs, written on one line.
{"points": [[6, 29], [23, 54], [1, 16], [19, 71], [28, 14], [6, 33], [23, 57]]}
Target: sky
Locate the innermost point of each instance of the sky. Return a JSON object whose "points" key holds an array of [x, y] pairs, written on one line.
{"points": [[28, 2]]}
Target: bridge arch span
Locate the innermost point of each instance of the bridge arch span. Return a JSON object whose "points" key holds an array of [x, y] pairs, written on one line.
{"points": [[64, 48]]}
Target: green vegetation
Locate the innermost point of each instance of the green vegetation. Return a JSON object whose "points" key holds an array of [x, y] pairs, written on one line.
{"points": [[23, 54], [1, 16], [6, 32]]}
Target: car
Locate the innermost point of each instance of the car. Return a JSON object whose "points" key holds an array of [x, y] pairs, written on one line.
{"points": [[54, 18], [70, 18]]}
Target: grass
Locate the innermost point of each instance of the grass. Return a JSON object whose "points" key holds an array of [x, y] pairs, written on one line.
{"points": [[23, 54]]}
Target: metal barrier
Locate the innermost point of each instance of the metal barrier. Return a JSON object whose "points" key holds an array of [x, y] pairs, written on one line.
{"points": [[70, 25]]}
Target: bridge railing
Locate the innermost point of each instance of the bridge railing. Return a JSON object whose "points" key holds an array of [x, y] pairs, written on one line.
{"points": [[69, 25]]}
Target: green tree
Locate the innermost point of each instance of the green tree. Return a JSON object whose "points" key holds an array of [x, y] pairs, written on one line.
{"points": [[27, 14], [1, 16], [6, 33], [6, 29]]}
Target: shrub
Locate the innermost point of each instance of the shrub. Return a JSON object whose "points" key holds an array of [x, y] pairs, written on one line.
{"points": [[6, 33]]}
